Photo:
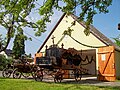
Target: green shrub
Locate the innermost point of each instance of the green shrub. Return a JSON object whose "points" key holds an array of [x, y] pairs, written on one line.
{"points": [[4, 61]]}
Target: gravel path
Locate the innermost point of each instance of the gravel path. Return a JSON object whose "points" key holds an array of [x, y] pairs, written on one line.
{"points": [[84, 81]]}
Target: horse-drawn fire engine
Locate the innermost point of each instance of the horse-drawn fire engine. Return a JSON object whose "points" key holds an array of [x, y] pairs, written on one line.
{"points": [[57, 62]]}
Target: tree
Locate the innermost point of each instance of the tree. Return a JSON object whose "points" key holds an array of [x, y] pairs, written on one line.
{"points": [[117, 40], [1, 41], [14, 12], [4, 61], [19, 46], [13, 17], [88, 8]]}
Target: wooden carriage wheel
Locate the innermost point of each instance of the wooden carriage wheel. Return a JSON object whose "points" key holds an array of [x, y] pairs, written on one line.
{"points": [[7, 72], [26, 75], [34, 71], [58, 77], [77, 74], [28, 72], [16, 74], [38, 75]]}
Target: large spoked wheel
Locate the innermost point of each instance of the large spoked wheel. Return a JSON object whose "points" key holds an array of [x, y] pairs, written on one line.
{"points": [[33, 71], [26, 75], [7, 72], [33, 74], [58, 78], [77, 74], [38, 75], [16, 74]]}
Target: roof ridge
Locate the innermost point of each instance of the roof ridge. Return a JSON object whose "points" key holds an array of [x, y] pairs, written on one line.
{"points": [[51, 32], [97, 33], [93, 30]]}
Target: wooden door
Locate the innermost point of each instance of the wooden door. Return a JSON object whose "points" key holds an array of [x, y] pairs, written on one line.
{"points": [[106, 64]]}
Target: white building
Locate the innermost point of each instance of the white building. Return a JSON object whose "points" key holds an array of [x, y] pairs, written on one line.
{"points": [[106, 54]]}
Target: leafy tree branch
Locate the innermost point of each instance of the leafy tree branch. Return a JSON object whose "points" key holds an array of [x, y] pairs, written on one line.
{"points": [[14, 13]]}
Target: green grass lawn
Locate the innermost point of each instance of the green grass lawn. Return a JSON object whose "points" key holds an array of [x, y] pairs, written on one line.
{"points": [[22, 84]]}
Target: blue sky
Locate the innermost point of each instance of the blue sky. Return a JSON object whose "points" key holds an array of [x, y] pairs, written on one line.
{"points": [[105, 23]]}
